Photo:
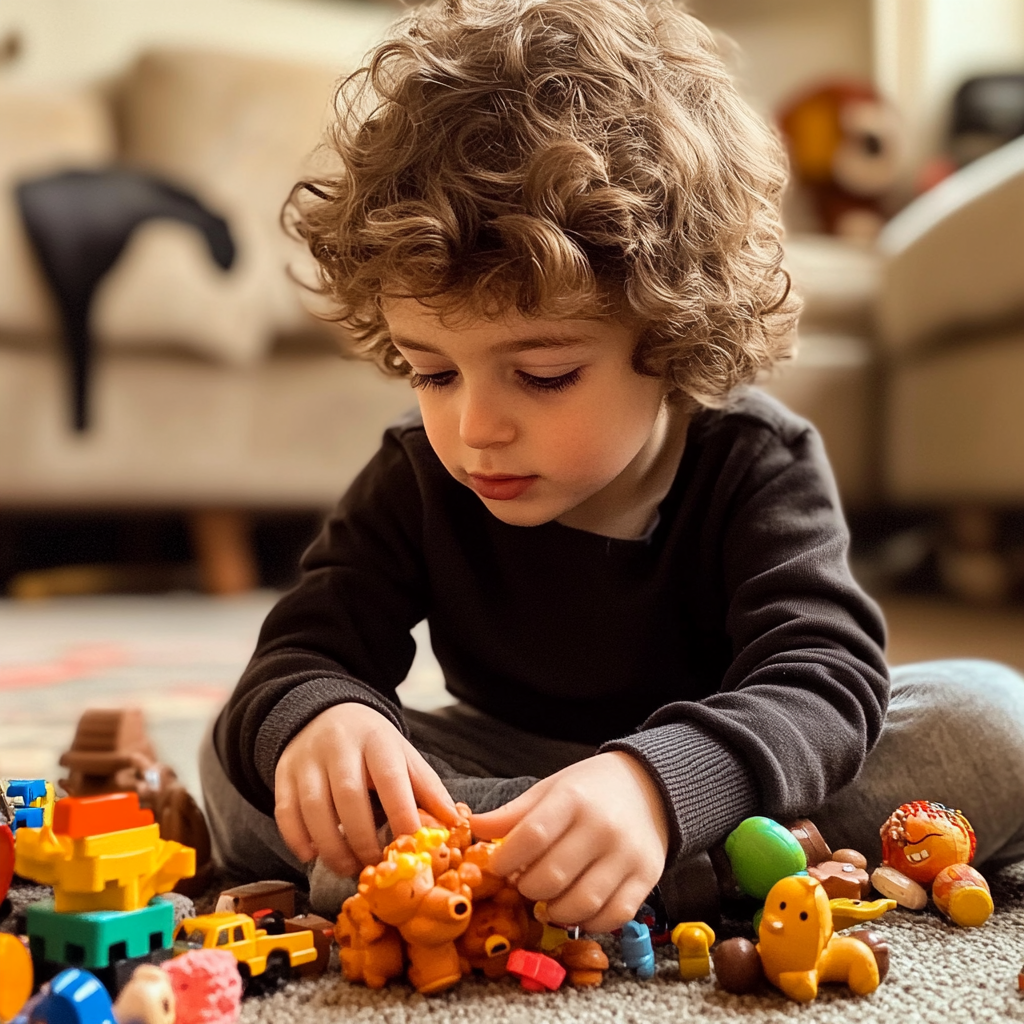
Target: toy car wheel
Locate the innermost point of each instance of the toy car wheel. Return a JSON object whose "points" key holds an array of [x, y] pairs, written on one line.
{"points": [[278, 970], [245, 974]]}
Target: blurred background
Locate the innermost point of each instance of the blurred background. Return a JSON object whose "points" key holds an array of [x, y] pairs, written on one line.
{"points": [[174, 421]]}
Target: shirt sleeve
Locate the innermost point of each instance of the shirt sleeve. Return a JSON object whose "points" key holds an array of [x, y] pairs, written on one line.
{"points": [[341, 634], [805, 695]]}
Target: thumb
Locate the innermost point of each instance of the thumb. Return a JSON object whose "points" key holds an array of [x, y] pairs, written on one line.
{"points": [[498, 823]]}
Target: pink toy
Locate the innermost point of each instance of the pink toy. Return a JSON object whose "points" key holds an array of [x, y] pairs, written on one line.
{"points": [[207, 986]]}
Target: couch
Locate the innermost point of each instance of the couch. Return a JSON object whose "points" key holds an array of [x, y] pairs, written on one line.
{"points": [[219, 393]]}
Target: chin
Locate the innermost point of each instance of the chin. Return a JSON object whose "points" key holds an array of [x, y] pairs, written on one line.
{"points": [[519, 515]]}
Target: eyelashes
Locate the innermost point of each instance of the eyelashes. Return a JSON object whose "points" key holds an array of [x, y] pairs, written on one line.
{"points": [[439, 381]]}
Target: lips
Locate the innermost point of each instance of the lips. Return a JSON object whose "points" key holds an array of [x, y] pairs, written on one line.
{"points": [[500, 487]]}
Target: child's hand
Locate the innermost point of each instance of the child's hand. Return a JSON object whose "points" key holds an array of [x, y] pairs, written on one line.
{"points": [[323, 779], [591, 840]]}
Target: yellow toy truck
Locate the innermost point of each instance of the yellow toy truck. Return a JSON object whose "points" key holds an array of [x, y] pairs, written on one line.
{"points": [[262, 955]]}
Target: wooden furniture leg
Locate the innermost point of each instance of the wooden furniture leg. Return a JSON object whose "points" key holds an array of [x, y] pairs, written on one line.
{"points": [[222, 539]]}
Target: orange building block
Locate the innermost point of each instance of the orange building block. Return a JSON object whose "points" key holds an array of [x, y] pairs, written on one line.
{"points": [[81, 816]]}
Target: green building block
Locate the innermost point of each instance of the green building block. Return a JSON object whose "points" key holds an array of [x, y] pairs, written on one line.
{"points": [[99, 938], [761, 851]]}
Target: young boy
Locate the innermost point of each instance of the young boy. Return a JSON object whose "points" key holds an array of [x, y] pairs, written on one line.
{"points": [[559, 220]]}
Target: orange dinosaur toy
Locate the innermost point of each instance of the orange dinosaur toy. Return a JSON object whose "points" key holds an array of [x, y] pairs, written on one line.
{"points": [[370, 950]]}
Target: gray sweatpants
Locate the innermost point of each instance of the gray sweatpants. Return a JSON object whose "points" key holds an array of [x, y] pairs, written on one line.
{"points": [[954, 733]]}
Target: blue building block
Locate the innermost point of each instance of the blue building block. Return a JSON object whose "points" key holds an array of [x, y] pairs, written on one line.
{"points": [[27, 817], [29, 790], [73, 997]]}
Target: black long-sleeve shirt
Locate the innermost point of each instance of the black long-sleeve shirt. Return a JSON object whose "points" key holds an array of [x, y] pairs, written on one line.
{"points": [[729, 650]]}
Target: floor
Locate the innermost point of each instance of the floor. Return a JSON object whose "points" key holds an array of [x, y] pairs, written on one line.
{"points": [[178, 657]]}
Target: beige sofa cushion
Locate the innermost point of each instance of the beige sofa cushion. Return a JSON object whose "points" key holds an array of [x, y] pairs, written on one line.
{"points": [[40, 133], [954, 257], [238, 131]]}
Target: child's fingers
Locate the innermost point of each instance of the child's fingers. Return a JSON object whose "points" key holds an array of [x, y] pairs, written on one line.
{"points": [[498, 823], [538, 819], [289, 821], [321, 822], [388, 774], [600, 899], [553, 874], [351, 799], [429, 791]]}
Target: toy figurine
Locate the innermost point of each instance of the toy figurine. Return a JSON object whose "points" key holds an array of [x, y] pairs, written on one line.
{"points": [[761, 851], [693, 939], [584, 961], [928, 844], [798, 948], [148, 998], [637, 950], [370, 950]]}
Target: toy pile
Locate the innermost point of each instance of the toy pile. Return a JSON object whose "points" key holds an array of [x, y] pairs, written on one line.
{"points": [[113, 946]]}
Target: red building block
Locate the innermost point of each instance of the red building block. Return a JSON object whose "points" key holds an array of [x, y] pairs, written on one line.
{"points": [[81, 816], [536, 972]]}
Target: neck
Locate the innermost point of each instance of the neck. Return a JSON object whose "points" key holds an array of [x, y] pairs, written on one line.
{"points": [[628, 506]]}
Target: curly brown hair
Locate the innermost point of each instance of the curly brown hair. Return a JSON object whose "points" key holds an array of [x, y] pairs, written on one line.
{"points": [[560, 158]]}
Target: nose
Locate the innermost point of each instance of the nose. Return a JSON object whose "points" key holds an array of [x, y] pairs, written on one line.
{"points": [[484, 420]]}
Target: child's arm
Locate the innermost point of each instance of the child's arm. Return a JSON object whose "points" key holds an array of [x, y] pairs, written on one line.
{"points": [[591, 840], [323, 780]]}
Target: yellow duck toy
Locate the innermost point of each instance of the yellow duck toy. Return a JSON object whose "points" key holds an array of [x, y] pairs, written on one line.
{"points": [[798, 948]]}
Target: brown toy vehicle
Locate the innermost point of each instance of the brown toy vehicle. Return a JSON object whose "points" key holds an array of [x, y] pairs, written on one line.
{"points": [[111, 753]]}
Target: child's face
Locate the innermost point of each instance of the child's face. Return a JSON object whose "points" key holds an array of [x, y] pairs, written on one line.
{"points": [[535, 415]]}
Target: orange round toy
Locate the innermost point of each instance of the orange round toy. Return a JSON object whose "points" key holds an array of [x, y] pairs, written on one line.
{"points": [[16, 975], [921, 838]]}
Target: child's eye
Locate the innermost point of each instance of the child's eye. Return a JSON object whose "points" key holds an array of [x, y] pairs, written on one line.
{"points": [[433, 380], [559, 383]]}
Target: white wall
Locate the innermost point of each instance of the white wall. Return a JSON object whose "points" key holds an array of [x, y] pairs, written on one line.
{"points": [[67, 41], [926, 48], [787, 45]]}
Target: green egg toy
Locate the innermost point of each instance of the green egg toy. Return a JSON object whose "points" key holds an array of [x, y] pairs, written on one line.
{"points": [[761, 851]]}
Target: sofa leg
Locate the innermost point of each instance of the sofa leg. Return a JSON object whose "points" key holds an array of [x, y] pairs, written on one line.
{"points": [[970, 564], [222, 539]]}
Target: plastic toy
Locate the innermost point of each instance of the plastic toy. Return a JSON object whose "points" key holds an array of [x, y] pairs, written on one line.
{"points": [[258, 954], [111, 753], [738, 966], [109, 944], [924, 842], [846, 913], [897, 887], [811, 841], [498, 925], [536, 972], [551, 937], [121, 868], [147, 998], [207, 986], [693, 939], [879, 947], [370, 951], [16, 975], [29, 802], [798, 948], [584, 961], [637, 950], [73, 997], [761, 851], [843, 876], [247, 899], [323, 939]]}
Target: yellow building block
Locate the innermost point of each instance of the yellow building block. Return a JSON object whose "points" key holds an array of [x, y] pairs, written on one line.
{"points": [[112, 871]]}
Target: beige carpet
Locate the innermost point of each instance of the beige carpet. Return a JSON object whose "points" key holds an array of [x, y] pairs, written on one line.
{"points": [[940, 974]]}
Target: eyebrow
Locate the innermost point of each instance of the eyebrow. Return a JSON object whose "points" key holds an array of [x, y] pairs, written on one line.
{"points": [[505, 347]]}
